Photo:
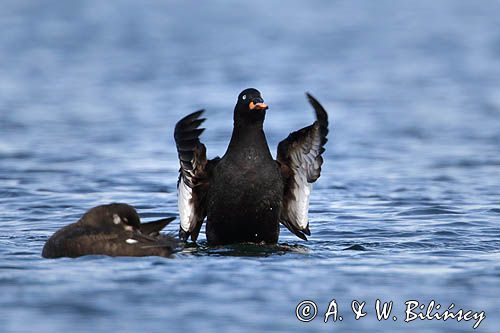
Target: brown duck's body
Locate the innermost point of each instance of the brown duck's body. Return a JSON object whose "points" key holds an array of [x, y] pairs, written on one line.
{"points": [[113, 230]]}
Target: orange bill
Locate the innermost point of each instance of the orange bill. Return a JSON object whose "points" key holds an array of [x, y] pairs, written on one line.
{"points": [[258, 106]]}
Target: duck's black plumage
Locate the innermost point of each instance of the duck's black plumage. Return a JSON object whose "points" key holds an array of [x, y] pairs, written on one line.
{"points": [[113, 230], [246, 194]]}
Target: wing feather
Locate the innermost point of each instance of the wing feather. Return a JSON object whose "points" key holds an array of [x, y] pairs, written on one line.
{"points": [[299, 156], [193, 176]]}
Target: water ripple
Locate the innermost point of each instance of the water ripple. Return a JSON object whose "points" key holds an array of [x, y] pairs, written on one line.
{"points": [[407, 205]]}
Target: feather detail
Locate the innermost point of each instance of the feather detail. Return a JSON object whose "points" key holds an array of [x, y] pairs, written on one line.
{"points": [[193, 176], [299, 156]]}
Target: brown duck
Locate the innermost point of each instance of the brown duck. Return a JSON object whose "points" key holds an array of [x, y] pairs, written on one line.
{"points": [[112, 230]]}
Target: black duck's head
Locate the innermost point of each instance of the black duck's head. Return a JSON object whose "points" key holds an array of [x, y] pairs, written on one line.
{"points": [[250, 108], [111, 216]]}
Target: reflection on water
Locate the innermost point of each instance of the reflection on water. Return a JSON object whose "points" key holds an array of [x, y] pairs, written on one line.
{"points": [[244, 250], [406, 208]]}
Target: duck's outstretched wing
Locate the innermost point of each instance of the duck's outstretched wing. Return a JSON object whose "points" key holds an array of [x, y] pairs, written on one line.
{"points": [[193, 174], [299, 156]]}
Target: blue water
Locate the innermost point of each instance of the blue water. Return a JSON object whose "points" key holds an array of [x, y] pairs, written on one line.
{"points": [[407, 206]]}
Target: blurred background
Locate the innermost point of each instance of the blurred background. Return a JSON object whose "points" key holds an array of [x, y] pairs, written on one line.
{"points": [[90, 92]]}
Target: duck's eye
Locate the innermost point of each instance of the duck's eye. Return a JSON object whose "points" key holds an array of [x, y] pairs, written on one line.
{"points": [[244, 97]]}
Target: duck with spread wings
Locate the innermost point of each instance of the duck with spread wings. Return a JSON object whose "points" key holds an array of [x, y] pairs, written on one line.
{"points": [[246, 194]]}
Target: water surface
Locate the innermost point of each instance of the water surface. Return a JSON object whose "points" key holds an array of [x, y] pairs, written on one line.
{"points": [[407, 206]]}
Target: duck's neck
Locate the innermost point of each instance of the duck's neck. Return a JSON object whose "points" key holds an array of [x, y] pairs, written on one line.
{"points": [[249, 141]]}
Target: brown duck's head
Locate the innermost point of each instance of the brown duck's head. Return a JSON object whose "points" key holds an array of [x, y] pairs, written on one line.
{"points": [[112, 215]]}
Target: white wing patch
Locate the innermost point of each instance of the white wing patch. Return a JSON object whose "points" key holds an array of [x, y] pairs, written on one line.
{"points": [[299, 210], [306, 167], [186, 209]]}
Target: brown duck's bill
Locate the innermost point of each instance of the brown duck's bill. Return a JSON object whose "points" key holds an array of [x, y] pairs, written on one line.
{"points": [[258, 106]]}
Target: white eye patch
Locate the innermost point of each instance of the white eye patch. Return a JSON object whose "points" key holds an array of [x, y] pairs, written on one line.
{"points": [[116, 219], [244, 97]]}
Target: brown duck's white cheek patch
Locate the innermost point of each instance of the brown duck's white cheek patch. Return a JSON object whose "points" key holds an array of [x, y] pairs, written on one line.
{"points": [[116, 219], [128, 227]]}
